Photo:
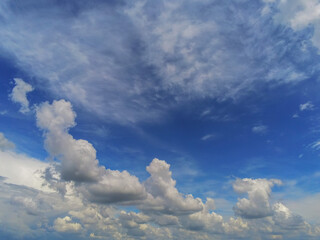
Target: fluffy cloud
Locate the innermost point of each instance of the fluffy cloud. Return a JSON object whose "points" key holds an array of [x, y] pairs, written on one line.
{"points": [[78, 158], [22, 170], [258, 190], [5, 144], [114, 187], [66, 225], [165, 214], [163, 196], [19, 94], [286, 219]]}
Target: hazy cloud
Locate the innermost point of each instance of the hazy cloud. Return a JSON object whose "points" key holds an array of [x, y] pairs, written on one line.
{"points": [[5, 144]]}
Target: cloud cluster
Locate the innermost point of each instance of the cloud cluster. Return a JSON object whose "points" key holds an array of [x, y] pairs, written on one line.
{"points": [[164, 213], [90, 203]]}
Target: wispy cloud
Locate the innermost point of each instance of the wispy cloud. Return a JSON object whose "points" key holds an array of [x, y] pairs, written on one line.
{"points": [[207, 137], [158, 60], [260, 129]]}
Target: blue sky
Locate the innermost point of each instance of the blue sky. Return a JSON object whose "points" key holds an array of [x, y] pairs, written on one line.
{"points": [[159, 119]]}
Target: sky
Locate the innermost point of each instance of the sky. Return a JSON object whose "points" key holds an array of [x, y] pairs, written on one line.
{"points": [[159, 119]]}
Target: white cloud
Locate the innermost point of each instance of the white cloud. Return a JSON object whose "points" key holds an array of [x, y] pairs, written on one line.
{"points": [[163, 196], [78, 158], [66, 225], [207, 137], [260, 129], [22, 170], [5, 144], [258, 190], [19, 94], [300, 14], [308, 106], [158, 61]]}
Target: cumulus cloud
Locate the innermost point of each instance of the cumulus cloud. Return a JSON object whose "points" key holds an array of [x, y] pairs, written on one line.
{"points": [[78, 158], [286, 219], [115, 186], [164, 214], [163, 196], [66, 225], [5, 144], [258, 190], [19, 94]]}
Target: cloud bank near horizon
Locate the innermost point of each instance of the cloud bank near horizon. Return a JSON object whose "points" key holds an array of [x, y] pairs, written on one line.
{"points": [[76, 195]]}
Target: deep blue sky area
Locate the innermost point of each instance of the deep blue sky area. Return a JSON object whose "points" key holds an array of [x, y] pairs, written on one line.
{"points": [[159, 119]]}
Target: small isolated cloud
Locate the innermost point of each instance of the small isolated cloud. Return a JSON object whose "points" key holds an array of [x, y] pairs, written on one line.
{"points": [[206, 113], [316, 145], [66, 225], [207, 137], [308, 106], [5, 144], [260, 129], [19, 94]]}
